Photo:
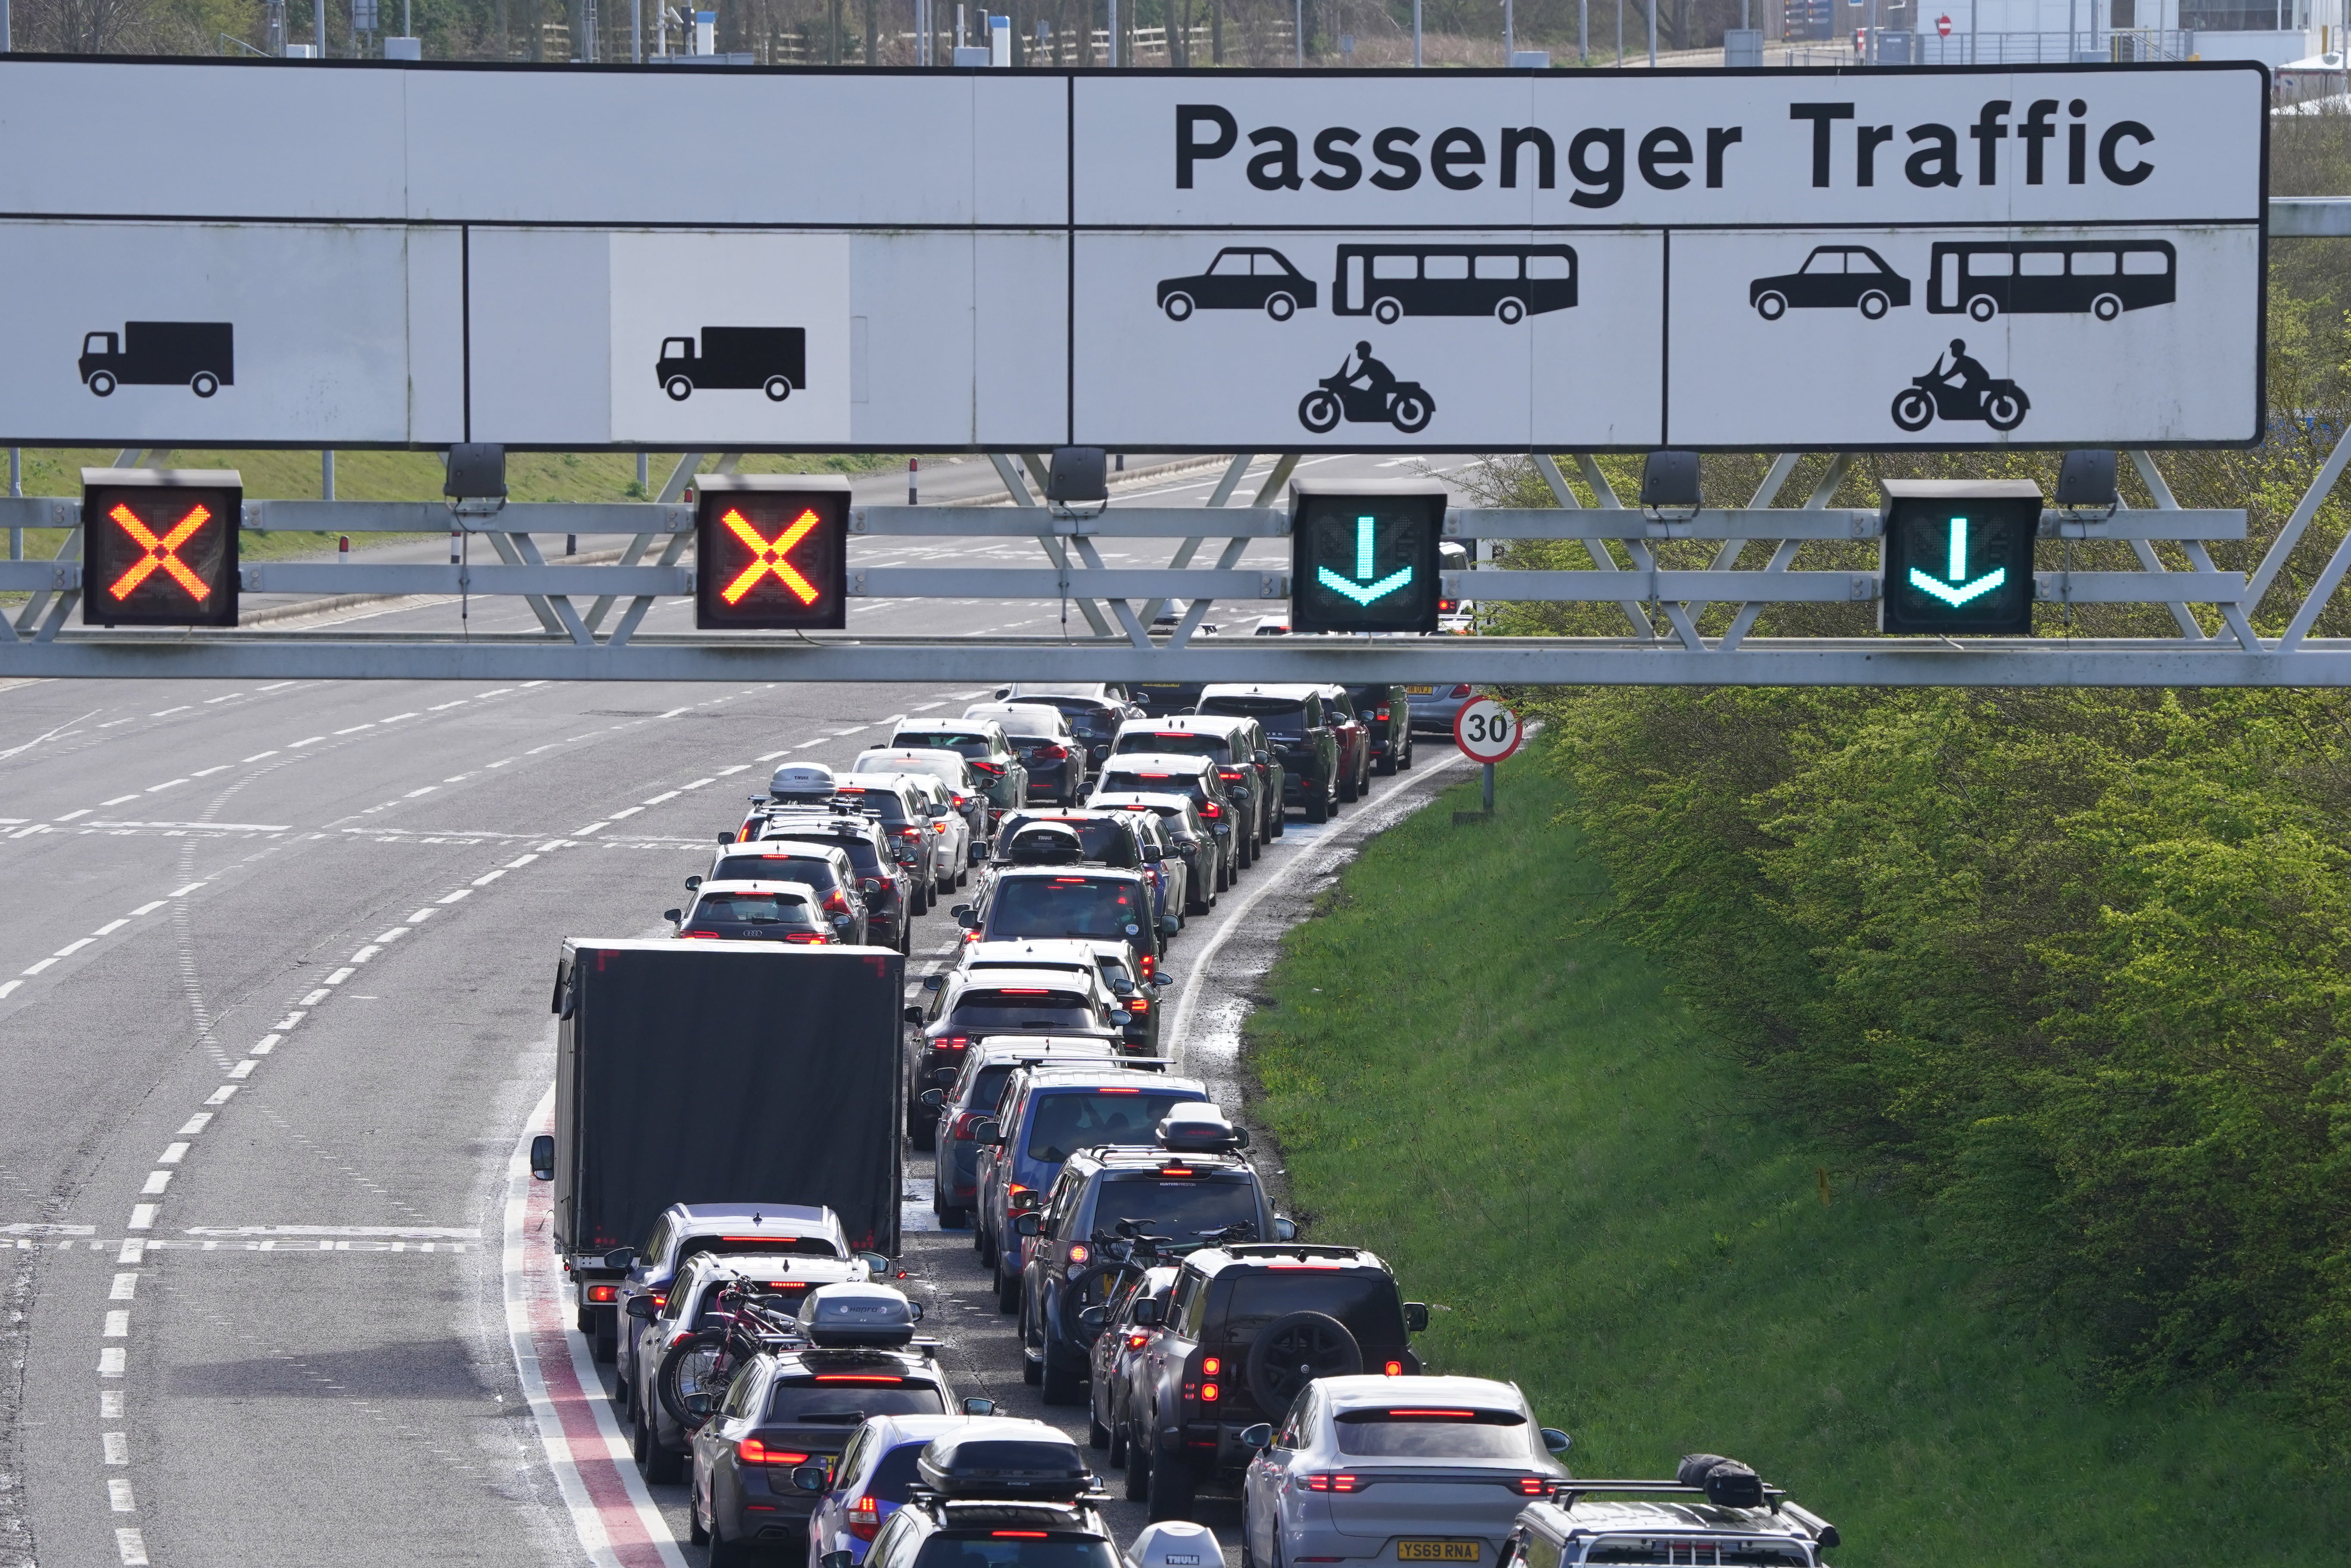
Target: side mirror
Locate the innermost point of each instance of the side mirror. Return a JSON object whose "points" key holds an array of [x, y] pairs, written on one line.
{"points": [[836, 1560], [1262, 758], [1169, 925], [542, 1157], [809, 1478], [1122, 986], [934, 981], [1555, 1440], [1151, 854], [640, 1306], [1285, 1229], [986, 1131], [1258, 1437], [1093, 1318], [913, 1016], [960, 911], [1415, 1318], [875, 1264], [945, 1077], [1148, 1314], [868, 885], [692, 883], [979, 1406], [621, 1258], [1163, 978], [934, 1098], [842, 922], [672, 916], [1026, 1224], [915, 1310], [725, 839], [967, 920]]}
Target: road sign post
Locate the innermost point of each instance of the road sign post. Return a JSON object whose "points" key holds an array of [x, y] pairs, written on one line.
{"points": [[1487, 733]]}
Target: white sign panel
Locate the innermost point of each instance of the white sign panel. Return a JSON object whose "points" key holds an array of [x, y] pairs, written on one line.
{"points": [[1456, 261]]}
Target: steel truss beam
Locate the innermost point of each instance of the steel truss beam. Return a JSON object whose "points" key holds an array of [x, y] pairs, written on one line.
{"points": [[1662, 605]]}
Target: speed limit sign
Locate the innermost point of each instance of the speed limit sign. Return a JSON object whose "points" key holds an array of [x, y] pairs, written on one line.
{"points": [[1486, 731]]}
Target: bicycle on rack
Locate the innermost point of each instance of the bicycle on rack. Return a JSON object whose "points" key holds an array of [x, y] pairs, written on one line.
{"points": [[1126, 1252], [696, 1373]]}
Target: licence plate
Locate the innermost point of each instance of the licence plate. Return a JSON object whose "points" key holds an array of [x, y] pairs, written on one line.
{"points": [[1419, 691], [1437, 1551]]}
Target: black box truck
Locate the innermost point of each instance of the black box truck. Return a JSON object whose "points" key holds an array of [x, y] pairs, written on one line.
{"points": [[198, 355], [736, 358], [717, 1072]]}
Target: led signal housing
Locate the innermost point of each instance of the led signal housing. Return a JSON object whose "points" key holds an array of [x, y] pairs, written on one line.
{"points": [[159, 545], [771, 552], [1957, 556], [1364, 556]]}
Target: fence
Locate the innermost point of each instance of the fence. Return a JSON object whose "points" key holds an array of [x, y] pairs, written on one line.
{"points": [[2139, 45]]}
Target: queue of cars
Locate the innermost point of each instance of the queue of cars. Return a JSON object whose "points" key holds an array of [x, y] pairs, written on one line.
{"points": [[1131, 1238]]}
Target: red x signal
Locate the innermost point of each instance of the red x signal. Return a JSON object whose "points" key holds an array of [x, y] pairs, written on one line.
{"points": [[770, 556], [161, 550]]}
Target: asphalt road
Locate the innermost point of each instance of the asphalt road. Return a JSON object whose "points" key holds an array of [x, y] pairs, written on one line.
{"points": [[273, 995]]}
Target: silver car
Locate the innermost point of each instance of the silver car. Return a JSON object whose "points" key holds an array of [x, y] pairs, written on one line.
{"points": [[1395, 1470], [1434, 708]]}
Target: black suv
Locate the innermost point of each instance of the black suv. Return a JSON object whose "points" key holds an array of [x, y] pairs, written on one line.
{"points": [[889, 890], [1305, 736], [1388, 711], [994, 1493], [1243, 1330], [1106, 1209]]}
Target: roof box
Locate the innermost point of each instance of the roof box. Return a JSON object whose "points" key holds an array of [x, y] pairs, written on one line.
{"points": [[1006, 1460], [849, 1316], [1175, 1543], [802, 781], [1196, 1126], [1727, 1482]]}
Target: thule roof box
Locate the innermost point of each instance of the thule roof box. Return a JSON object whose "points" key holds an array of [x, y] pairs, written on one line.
{"points": [[1196, 1126], [853, 1316], [1002, 1458], [802, 781]]}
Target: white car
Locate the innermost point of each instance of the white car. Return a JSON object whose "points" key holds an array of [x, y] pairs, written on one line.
{"points": [[1395, 1470], [761, 911]]}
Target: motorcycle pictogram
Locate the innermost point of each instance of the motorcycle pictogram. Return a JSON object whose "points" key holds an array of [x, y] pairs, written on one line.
{"points": [[1368, 393], [1977, 395]]}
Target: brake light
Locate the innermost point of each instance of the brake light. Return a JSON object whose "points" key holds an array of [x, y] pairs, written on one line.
{"points": [[1177, 1170], [1148, 964], [1233, 775], [950, 1042], [752, 1451], [991, 768], [1327, 1480], [1110, 1091], [699, 936], [836, 902], [865, 1518], [1018, 1535], [1023, 990], [1394, 1369], [1079, 1253], [1209, 1394], [602, 1293], [1533, 1486], [908, 831], [1462, 689], [1380, 714], [1053, 753], [1211, 810], [1138, 1004], [808, 939], [1138, 1341], [1211, 1366], [661, 1300], [860, 1379], [1432, 1415]]}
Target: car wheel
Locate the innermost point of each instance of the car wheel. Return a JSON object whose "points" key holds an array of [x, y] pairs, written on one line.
{"points": [[606, 1345], [953, 1219], [1406, 761], [1008, 1285], [1318, 806], [1138, 1469], [1118, 1445], [1059, 1385], [922, 1132], [1874, 304], [984, 1244], [725, 1553], [663, 1467], [1351, 787], [962, 874], [1172, 1485], [1386, 764]]}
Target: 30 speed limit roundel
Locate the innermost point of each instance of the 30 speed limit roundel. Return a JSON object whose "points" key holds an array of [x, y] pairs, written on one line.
{"points": [[1486, 731]]}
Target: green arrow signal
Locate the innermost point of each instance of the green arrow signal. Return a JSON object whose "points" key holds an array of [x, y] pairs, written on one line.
{"points": [[1958, 590], [1365, 591]]}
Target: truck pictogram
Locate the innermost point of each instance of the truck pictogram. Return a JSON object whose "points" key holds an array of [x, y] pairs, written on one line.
{"points": [[198, 355], [735, 358]]}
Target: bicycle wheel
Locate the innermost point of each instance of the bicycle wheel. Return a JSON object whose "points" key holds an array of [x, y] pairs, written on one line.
{"points": [[694, 1376], [1092, 1289]]}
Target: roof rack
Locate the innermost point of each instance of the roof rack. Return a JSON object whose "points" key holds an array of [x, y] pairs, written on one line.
{"points": [[1292, 1250]]}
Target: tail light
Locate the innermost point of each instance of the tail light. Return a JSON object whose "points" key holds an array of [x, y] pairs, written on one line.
{"points": [[990, 768], [1461, 690], [752, 1451], [1394, 1369], [865, 1518], [1136, 1340], [809, 940], [1209, 1393], [1334, 1480], [1533, 1486], [1235, 775], [699, 936], [836, 902], [1138, 1004], [1053, 753], [600, 1294], [661, 1300], [1211, 810], [950, 1042], [1078, 1256], [1380, 714], [1148, 964]]}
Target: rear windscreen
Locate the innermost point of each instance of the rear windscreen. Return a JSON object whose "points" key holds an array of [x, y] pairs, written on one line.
{"points": [[1277, 717], [1012, 1549], [817, 873], [961, 744], [1033, 726], [1097, 839], [754, 909], [861, 856], [1063, 1121], [1363, 1299], [1709, 1550], [1179, 1208], [1433, 1434], [1181, 744], [1065, 907], [882, 803], [804, 1399], [788, 1246], [1186, 785], [981, 1010]]}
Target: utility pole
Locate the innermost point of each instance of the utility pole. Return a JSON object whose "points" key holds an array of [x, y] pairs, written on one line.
{"points": [[319, 26], [1652, 6], [1583, 32], [1415, 29], [3, 49]]}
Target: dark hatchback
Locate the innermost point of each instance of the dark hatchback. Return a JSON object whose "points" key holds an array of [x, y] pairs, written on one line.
{"points": [[1305, 735], [1101, 906], [1386, 710]]}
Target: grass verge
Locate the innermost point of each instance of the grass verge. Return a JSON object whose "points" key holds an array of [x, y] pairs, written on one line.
{"points": [[1469, 1074]]}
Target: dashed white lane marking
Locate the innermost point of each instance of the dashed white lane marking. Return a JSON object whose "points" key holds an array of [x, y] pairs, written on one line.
{"points": [[221, 1096], [195, 1124], [168, 784], [68, 817], [207, 772], [258, 756], [37, 967], [625, 811], [157, 1181], [110, 1404], [183, 892], [75, 946], [460, 893], [487, 877], [10, 986], [422, 916], [118, 1324], [366, 953], [314, 998], [665, 794], [266, 1044], [149, 909], [115, 1447], [118, 1494], [126, 1287], [243, 1069], [172, 1153], [340, 976], [111, 1361], [118, 800], [133, 1547], [143, 1215], [112, 927]]}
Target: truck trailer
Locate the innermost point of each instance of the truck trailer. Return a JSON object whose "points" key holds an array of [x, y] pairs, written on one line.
{"points": [[719, 1071]]}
